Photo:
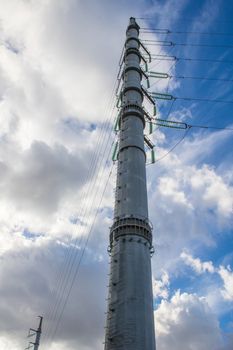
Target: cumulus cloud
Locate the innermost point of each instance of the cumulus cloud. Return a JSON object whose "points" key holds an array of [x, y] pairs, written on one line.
{"points": [[160, 286], [227, 276], [198, 266], [170, 187], [30, 285], [41, 176], [191, 201], [186, 322], [215, 192]]}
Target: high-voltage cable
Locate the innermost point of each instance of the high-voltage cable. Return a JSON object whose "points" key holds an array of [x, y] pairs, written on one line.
{"points": [[73, 254], [71, 248], [80, 259], [78, 241], [182, 126], [93, 185], [183, 19], [166, 75], [211, 127], [172, 43], [173, 147], [168, 31], [159, 57], [168, 97], [168, 123], [199, 78], [71, 272]]}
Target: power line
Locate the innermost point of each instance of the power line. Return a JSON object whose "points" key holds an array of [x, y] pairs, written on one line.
{"points": [[168, 31], [160, 96], [187, 129], [187, 19], [69, 258], [73, 253], [72, 259], [168, 76], [68, 284], [199, 78], [172, 43], [202, 100], [211, 127], [173, 147], [175, 58], [81, 257], [182, 125]]}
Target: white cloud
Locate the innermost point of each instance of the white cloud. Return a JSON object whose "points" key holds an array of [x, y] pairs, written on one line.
{"points": [[198, 266], [189, 200], [170, 187], [215, 192], [186, 323], [160, 286], [227, 276], [7, 343], [225, 273]]}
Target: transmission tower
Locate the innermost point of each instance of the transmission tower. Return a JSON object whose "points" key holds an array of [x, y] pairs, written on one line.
{"points": [[36, 334], [130, 320]]}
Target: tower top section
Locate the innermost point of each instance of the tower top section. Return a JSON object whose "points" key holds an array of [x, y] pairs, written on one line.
{"points": [[133, 24]]}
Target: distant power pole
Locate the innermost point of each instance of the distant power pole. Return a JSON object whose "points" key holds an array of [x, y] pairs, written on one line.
{"points": [[37, 334], [130, 320]]}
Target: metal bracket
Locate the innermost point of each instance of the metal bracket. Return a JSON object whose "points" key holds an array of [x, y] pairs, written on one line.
{"points": [[148, 142], [148, 96]]}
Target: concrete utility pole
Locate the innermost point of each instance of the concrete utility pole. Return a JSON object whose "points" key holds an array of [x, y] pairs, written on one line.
{"points": [[130, 320], [37, 334]]}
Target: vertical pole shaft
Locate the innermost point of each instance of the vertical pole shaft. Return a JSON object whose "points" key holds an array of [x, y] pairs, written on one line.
{"points": [[130, 321], [38, 334]]}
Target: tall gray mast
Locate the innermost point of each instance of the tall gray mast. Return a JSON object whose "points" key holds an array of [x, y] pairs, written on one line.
{"points": [[37, 333], [130, 320]]}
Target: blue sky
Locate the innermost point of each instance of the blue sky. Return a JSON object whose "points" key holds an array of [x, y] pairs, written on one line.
{"points": [[203, 17], [56, 138]]}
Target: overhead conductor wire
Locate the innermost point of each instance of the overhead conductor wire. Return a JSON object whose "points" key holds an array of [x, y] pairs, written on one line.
{"points": [[92, 186], [110, 149], [95, 158], [155, 57], [145, 30], [72, 246], [81, 257], [159, 57], [187, 128], [172, 43], [73, 258]]}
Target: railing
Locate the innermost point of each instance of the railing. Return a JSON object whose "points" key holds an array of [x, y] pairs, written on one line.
{"points": [[131, 226]]}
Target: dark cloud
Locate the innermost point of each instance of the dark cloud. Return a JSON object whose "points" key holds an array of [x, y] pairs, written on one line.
{"points": [[44, 176], [29, 280]]}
